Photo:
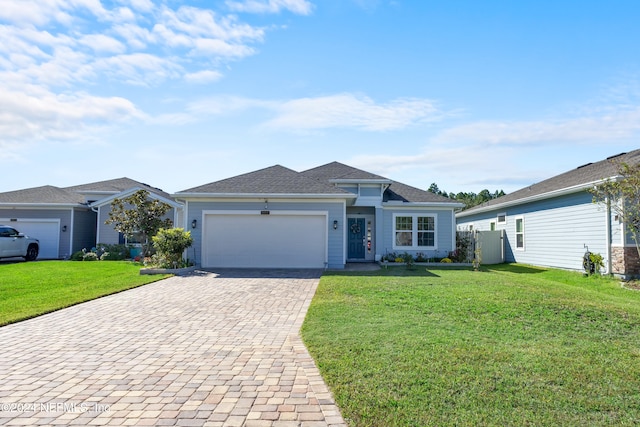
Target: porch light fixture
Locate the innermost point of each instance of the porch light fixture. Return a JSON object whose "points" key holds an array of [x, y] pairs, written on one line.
{"points": [[194, 223], [335, 224], [64, 228]]}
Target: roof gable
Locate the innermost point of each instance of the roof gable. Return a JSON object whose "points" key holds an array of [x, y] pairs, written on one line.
{"points": [[272, 180], [578, 179], [396, 192], [337, 171], [114, 186]]}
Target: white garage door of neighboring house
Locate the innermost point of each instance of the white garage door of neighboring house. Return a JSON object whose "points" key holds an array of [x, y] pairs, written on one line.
{"points": [[265, 241], [46, 231]]}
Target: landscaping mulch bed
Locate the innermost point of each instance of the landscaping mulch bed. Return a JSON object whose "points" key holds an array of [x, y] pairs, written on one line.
{"points": [[632, 284]]}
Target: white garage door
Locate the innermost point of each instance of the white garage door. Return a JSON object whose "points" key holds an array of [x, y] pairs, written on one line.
{"points": [[46, 231], [265, 241]]}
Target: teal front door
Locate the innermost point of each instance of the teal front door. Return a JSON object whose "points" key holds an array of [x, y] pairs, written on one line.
{"points": [[356, 230]]}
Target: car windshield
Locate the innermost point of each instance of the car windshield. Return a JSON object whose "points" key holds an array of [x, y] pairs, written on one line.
{"points": [[8, 232]]}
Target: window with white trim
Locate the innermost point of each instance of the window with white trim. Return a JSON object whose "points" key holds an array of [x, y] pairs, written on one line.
{"points": [[414, 231], [520, 233], [502, 218]]}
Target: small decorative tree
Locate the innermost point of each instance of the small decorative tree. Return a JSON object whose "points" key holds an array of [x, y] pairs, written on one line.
{"points": [[170, 244], [622, 195], [139, 214]]}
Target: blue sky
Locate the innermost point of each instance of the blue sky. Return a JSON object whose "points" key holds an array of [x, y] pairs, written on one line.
{"points": [[467, 94]]}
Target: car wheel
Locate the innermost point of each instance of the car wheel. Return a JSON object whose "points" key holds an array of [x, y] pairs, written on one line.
{"points": [[32, 253]]}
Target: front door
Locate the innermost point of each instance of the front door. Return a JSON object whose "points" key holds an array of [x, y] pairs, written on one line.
{"points": [[356, 239]]}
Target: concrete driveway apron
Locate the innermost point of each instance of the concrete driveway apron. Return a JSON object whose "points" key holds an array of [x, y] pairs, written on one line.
{"points": [[209, 349]]}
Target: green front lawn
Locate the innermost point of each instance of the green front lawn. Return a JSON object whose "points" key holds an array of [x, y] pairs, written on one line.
{"points": [[511, 345], [29, 289]]}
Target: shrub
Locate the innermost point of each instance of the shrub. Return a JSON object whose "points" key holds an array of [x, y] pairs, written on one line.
{"points": [[109, 252], [90, 256], [446, 260], [170, 243], [420, 257], [77, 256], [390, 257], [407, 258], [592, 263]]}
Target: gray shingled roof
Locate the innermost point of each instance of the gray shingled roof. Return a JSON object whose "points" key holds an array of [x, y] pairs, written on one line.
{"points": [[337, 171], [272, 180], [280, 180], [397, 191], [44, 194], [582, 175], [115, 186]]}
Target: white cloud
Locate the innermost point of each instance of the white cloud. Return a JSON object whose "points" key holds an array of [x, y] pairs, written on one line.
{"points": [[204, 76], [102, 44], [136, 37], [39, 115], [227, 105], [201, 23], [53, 52], [139, 68], [334, 111], [142, 5], [616, 124], [174, 43], [352, 111], [300, 7]]}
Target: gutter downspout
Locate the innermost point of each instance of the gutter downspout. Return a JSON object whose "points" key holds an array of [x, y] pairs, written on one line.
{"points": [[609, 265], [71, 231], [97, 211]]}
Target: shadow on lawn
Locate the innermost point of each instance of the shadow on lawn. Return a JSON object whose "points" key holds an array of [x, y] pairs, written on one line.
{"points": [[385, 272], [513, 268], [431, 271]]}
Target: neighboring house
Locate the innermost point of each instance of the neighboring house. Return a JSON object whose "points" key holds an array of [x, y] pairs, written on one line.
{"points": [[66, 220], [553, 222], [99, 196], [319, 218]]}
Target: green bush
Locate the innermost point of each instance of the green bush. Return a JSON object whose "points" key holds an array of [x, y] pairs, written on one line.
{"points": [[77, 256], [90, 256], [170, 243], [109, 252]]}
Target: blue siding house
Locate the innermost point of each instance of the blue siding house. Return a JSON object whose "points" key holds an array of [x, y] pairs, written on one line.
{"points": [[554, 222], [66, 220], [320, 218]]}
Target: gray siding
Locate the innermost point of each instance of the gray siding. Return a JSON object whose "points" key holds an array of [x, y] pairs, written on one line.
{"points": [[105, 233], [445, 231], [335, 210], [368, 191], [84, 230], [350, 188], [556, 230], [108, 235], [64, 215]]}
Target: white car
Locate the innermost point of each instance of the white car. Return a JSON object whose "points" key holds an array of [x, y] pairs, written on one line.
{"points": [[16, 244]]}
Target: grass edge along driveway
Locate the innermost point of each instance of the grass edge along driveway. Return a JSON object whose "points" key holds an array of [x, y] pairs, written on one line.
{"points": [[510, 345], [30, 289]]}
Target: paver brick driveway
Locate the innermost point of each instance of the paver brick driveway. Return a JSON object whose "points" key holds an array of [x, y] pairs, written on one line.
{"points": [[210, 349]]}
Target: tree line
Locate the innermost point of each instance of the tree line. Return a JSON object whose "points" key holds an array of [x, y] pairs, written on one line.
{"points": [[469, 199]]}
